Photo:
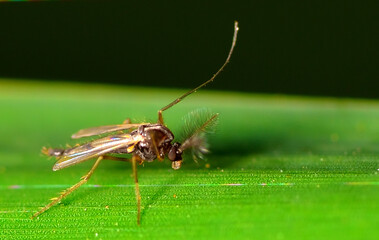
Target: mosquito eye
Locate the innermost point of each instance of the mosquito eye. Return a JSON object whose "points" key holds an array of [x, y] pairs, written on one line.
{"points": [[172, 154]]}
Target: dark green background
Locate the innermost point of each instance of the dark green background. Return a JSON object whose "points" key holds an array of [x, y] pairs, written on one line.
{"points": [[291, 47]]}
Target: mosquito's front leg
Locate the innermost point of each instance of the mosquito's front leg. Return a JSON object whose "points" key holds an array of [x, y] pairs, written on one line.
{"points": [[66, 192]]}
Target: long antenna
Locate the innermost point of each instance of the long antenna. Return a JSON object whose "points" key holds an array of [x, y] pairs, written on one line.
{"points": [[160, 117]]}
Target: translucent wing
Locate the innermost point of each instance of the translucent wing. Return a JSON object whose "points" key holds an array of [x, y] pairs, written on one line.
{"points": [[104, 129], [96, 148]]}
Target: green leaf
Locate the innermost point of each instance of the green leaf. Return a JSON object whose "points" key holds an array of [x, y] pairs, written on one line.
{"points": [[280, 167]]}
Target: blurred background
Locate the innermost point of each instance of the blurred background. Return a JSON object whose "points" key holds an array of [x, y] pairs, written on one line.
{"points": [[317, 48]]}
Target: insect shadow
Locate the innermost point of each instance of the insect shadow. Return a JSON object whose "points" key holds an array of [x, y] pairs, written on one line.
{"points": [[160, 191]]}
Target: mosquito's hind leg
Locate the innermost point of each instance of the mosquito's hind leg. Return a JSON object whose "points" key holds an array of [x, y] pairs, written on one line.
{"points": [[127, 121], [136, 159], [66, 192]]}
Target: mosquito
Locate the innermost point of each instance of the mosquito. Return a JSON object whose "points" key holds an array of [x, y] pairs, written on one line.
{"points": [[144, 141]]}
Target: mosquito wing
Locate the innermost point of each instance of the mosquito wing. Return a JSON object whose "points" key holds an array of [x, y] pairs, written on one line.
{"points": [[96, 148], [104, 129]]}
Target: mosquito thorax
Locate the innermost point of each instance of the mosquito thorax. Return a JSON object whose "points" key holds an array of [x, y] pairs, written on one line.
{"points": [[155, 143]]}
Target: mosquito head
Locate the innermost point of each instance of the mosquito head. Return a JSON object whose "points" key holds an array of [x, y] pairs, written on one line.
{"points": [[175, 155]]}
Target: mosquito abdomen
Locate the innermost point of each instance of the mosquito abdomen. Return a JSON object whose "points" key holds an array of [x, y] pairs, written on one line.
{"points": [[52, 152]]}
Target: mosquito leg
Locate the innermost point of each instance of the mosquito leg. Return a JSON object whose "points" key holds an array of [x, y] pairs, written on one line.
{"points": [[138, 195], [160, 157], [135, 159], [66, 192], [127, 121], [160, 117]]}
